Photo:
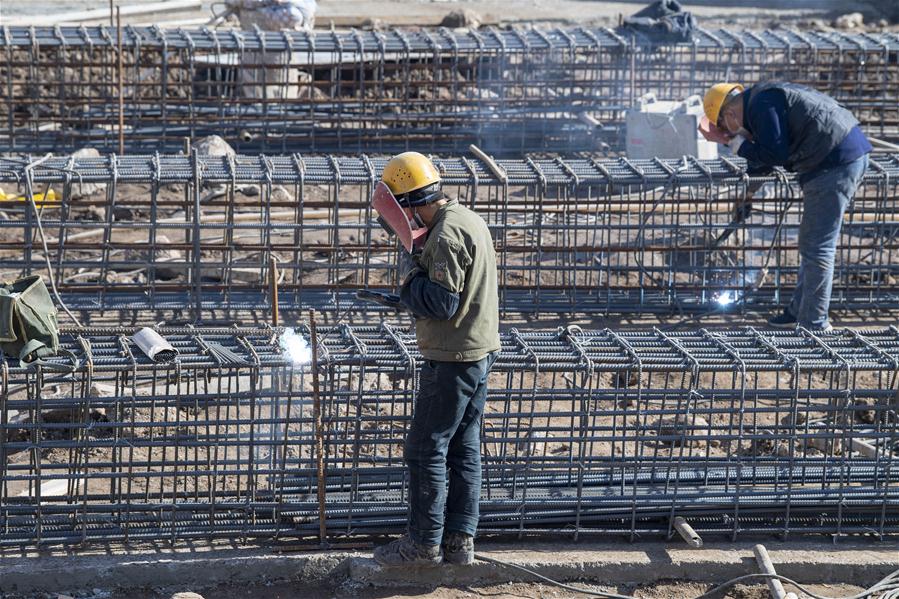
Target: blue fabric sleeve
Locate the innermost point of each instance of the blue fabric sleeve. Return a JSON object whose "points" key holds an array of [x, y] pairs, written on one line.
{"points": [[427, 299], [853, 146], [766, 117]]}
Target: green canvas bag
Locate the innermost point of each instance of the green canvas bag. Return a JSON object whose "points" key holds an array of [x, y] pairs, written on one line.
{"points": [[29, 328]]}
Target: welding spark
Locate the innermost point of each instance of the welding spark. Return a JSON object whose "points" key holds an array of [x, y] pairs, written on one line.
{"points": [[295, 347], [725, 298]]}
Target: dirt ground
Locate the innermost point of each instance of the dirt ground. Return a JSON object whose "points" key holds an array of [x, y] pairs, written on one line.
{"points": [[668, 590], [664, 590]]}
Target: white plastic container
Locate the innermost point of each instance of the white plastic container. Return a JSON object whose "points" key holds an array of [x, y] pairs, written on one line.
{"points": [[667, 129]]}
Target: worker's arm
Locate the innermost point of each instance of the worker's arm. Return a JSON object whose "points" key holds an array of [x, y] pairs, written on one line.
{"points": [[436, 293], [767, 118], [427, 299]]}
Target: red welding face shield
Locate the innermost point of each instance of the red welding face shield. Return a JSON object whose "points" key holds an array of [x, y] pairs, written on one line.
{"points": [[392, 217]]}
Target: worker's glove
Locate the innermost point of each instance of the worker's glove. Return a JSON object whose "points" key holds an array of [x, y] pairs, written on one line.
{"points": [[407, 265], [742, 210]]}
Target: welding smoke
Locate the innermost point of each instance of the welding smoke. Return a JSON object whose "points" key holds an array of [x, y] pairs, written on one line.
{"points": [[295, 348]]}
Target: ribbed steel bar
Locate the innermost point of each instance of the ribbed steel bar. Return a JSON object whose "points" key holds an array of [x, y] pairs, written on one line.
{"points": [[577, 236], [510, 91], [584, 432]]}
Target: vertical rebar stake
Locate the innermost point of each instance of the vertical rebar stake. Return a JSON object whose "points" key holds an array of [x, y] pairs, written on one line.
{"points": [[319, 433], [118, 18], [273, 284], [111, 13], [197, 266]]}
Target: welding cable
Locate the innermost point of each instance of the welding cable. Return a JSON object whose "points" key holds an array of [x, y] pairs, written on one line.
{"points": [[666, 189], [791, 198], [551, 581], [29, 193], [888, 585], [219, 17]]}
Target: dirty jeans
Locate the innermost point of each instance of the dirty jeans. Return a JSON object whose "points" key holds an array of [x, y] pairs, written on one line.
{"points": [[445, 435], [827, 195]]}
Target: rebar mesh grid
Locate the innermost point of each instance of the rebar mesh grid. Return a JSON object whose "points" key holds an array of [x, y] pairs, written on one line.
{"points": [[585, 432], [573, 236], [510, 91]]}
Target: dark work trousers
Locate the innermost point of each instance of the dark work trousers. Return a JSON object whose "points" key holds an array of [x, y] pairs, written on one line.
{"points": [[445, 435]]}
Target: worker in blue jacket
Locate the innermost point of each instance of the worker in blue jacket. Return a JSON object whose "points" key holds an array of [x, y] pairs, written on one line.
{"points": [[789, 125]]}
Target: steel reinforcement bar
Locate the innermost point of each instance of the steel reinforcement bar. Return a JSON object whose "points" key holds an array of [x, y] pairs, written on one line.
{"points": [[584, 432], [510, 91], [196, 236]]}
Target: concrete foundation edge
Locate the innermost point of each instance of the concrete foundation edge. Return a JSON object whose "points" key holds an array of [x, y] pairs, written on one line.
{"points": [[861, 564]]}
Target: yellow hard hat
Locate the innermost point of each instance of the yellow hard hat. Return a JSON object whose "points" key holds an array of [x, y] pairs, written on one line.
{"points": [[408, 172], [715, 97]]}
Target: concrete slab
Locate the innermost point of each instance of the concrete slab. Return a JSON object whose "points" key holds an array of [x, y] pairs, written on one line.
{"points": [[861, 564], [73, 573], [809, 561]]}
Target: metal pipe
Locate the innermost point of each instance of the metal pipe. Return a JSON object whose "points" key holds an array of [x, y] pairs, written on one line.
{"points": [[154, 345], [765, 565], [498, 172], [687, 533]]}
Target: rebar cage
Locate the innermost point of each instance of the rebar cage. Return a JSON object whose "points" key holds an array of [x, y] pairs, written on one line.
{"points": [[573, 236], [510, 91], [584, 433]]}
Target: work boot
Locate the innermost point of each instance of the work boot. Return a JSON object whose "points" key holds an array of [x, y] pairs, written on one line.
{"points": [[458, 548], [406, 552], [784, 320]]}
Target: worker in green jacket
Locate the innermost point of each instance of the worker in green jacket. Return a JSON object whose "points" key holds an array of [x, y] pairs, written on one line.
{"points": [[450, 285]]}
